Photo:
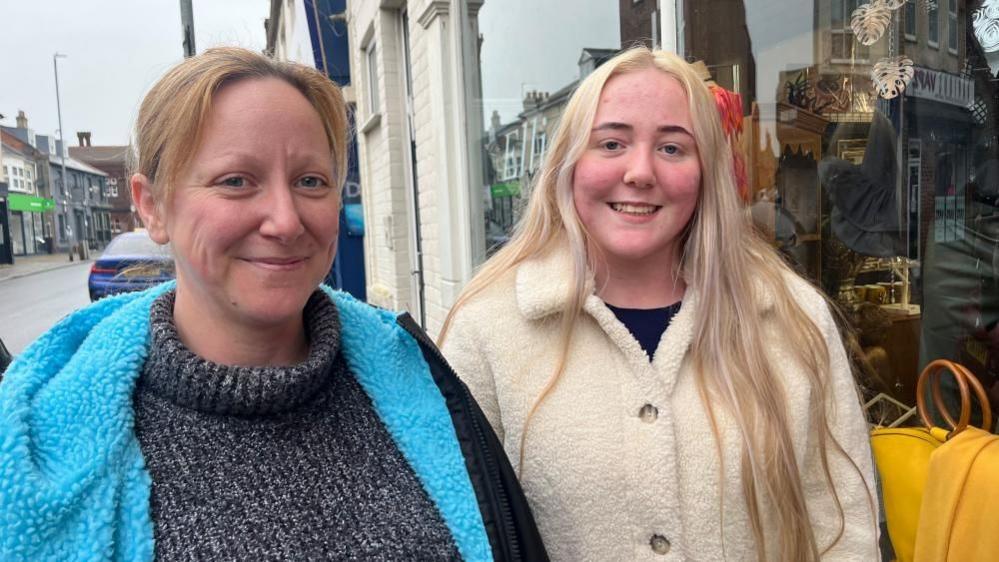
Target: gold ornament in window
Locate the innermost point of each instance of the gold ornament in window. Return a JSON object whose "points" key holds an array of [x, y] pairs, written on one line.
{"points": [[869, 22], [891, 75]]}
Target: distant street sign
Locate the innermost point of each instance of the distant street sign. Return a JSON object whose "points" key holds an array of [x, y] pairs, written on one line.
{"points": [[28, 203]]}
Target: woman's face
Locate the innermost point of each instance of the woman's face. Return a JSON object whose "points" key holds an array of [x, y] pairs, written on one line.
{"points": [[253, 220], [636, 185]]}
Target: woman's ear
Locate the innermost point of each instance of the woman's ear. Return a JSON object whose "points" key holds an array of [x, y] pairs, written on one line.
{"points": [[145, 204]]}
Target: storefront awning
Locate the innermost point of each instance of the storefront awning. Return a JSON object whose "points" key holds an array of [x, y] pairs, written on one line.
{"points": [[28, 203], [505, 189]]}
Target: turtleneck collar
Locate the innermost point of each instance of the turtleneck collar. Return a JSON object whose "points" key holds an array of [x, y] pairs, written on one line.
{"points": [[176, 374]]}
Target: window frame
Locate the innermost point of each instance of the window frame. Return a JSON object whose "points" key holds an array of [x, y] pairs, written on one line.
{"points": [[371, 78], [933, 26], [512, 159], [859, 54]]}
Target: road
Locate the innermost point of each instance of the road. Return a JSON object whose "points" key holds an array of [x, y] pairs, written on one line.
{"points": [[32, 304]]}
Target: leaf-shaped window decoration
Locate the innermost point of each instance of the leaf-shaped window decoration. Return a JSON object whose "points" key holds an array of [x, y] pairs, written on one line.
{"points": [[869, 22], [928, 5], [985, 22], [891, 75], [893, 4]]}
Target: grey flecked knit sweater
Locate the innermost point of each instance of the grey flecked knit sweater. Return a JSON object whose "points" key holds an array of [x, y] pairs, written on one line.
{"points": [[275, 463]]}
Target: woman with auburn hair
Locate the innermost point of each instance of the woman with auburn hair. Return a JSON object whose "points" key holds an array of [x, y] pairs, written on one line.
{"points": [[246, 412], [670, 389]]}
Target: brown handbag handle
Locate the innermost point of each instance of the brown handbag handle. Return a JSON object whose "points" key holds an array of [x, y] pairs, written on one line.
{"points": [[962, 385], [983, 397], [963, 377]]}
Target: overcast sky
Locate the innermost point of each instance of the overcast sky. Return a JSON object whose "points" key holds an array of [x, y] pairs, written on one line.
{"points": [[535, 45], [116, 49]]}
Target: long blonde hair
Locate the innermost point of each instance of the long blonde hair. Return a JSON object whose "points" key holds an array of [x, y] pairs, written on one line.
{"points": [[726, 262]]}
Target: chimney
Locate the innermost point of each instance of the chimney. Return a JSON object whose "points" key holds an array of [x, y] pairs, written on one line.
{"points": [[83, 137], [495, 120], [22, 120]]}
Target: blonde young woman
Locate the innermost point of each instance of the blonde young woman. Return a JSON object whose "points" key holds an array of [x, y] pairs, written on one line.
{"points": [[734, 433]]}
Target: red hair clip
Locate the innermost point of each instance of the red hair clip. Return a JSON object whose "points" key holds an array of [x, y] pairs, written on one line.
{"points": [[729, 106]]}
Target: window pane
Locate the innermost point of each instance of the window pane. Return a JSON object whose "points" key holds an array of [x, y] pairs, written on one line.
{"points": [[372, 63], [532, 56], [17, 233], [29, 233], [934, 25], [837, 13], [952, 32], [890, 203]]}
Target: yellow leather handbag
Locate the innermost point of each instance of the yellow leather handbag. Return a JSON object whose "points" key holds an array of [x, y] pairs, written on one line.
{"points": [[903, 455]]}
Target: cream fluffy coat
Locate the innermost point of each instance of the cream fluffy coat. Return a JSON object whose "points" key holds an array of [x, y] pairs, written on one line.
{"points": [[601, 480]]}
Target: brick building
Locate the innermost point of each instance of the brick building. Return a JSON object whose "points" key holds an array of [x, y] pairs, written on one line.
{"points": [[112, 160]]}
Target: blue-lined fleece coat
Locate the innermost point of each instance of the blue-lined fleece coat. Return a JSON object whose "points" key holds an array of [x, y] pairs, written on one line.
{"points": [[72, 480]]}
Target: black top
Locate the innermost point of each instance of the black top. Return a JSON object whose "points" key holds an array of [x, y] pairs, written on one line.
{"points": [[647, 324]]}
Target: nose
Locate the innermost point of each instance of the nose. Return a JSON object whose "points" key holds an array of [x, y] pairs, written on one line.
{"points": [[639, 172], [282, 220]]}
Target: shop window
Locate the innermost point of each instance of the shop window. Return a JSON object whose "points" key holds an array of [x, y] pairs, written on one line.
{"points": [[17, 233], [916, 272], [29, 233]]}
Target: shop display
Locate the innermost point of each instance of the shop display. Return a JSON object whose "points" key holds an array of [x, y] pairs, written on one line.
{"points": [[865, 209], [911, 465], [891, 76]]}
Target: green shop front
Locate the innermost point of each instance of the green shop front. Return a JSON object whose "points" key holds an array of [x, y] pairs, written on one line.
{"points": [[25, 223]]}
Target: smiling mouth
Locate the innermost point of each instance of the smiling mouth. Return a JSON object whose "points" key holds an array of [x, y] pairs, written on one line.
{"points": [[277, 264], [634, 208]]}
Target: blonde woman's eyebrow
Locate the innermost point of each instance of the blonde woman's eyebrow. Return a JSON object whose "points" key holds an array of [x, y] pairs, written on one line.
{"points": [[616, 126]]}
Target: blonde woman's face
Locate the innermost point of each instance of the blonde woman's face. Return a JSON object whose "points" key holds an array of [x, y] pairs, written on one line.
{"points": [[636, 185], [254, 220]]}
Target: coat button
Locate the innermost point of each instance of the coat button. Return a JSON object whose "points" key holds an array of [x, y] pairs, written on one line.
{"points": [[648, 413], [659, 544]]}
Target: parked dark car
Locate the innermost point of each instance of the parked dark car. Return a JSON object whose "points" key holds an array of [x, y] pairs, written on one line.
{"points": [[131, 262], [5, 358]]}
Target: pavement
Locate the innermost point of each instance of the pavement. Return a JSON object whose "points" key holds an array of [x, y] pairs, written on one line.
{"points": [[29, 265]]}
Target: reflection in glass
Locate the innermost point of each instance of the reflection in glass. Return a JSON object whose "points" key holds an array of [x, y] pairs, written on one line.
{"points": [[885, 189], [17, 233], [527, 78]]}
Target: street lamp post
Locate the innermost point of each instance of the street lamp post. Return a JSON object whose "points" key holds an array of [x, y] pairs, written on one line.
{"points": [[187, 23], [62, 150]]}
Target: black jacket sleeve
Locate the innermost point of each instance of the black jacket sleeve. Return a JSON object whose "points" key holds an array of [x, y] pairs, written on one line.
{"points": [[509, 522]]}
